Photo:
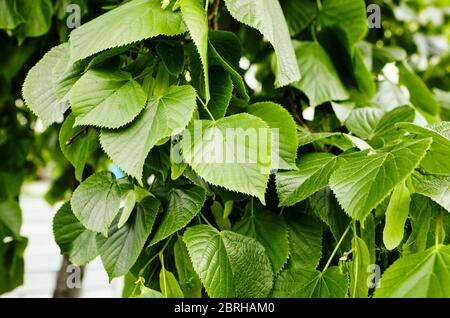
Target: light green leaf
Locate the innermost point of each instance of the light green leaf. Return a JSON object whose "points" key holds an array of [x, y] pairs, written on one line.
{"points": [[350, 15], [270, 230], [437, 189], [363, 121], [320, 81], [96, 201], [267, 17], [314, 171], [149, 293], [163, 117], [120, 250], [196, 19], [38, 18], [77, 144], [420, 275], [436, 161], [306, 137], [72, 237], [283, 131], [48, 83], [130, 202], [229, 264], [233, 152], [358, 269], [396, 216], [9, 16], [360, 190], [189, 281], [11, 216], [169, 285], [184, 204], [106, 98], [134, 21]]}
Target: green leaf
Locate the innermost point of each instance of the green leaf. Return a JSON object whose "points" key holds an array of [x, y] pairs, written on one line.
{"points": [[225, 51], [169, 285], [314, 171], [233, 152], [299, 14], [172, 56], [363, 121], [72, 237], [229, 264], [184, 204], [437, 189], [163, 117], [149, 293], [320, 81], [47, 85], [120, 250], [306, 137], [283, 131], [106, 98], [270, 230], [396, 216], [9, 16], [11, 216], [420, 95], [358, 269], [221, 88], [349, 15], [436, 161], [130, 203], [361, 190], [77, 144], [96, 201], [196, 19], [11, 263], [38, 16], [134, 21], [189, 281], [267, 17], [420, 275]]}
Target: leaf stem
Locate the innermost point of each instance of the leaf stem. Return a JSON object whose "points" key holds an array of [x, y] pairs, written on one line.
{"points": [[78, 134], [336, 248], [206, 107], [205, 219], [214, 16], [319, 5]]}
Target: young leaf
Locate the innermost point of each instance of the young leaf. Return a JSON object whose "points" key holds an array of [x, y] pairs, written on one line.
{"points": [[72, 237], [48, 83], [314, 171], [283, 131], [163, 117], [106, 98], [361, 190], [420, 275], [196, 19], [134, 21], [184, 204], [189, 281], [130, 203], [169, 285], [267, 17], [96, 201], [270, 230], [233, 152], [358, 269], [120, 250], [320, 81], [396, 216], [229, 264], [77, 144]]}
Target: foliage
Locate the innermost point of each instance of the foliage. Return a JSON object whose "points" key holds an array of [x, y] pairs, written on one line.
{"points": [[350, 160]]}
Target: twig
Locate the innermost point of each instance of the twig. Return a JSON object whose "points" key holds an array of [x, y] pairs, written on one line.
{"points": [[214, 16], [78, 134]]}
